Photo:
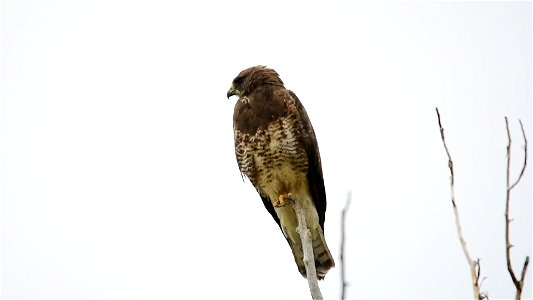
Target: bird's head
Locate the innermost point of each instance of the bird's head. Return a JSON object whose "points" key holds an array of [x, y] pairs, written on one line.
{"points": [[248, 80]]}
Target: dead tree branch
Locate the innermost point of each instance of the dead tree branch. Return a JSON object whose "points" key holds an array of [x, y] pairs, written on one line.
{"points": [[307, 247], [473, 264], [518, 283], [343, 237]]}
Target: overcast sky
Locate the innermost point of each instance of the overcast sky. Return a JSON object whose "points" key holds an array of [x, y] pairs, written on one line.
{"points": [[118, 174]]}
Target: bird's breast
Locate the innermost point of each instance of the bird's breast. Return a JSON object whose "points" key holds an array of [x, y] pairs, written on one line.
{"points": [[280, 160]]}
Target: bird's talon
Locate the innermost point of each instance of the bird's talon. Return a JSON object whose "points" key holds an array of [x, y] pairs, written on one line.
{"points": [[283, 200], [280, 202]]}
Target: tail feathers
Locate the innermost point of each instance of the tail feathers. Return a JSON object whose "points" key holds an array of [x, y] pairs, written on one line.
{"points": [[323, 259]]}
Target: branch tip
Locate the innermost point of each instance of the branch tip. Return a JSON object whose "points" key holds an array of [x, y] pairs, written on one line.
{"points": [[518, 283], [473, 265]]}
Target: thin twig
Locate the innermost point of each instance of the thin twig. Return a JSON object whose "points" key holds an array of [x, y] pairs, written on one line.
{"points": [[307, 247], [343, 236], [478, 266], [473, 265], [525, 151], [518, 283], [482, 295]]}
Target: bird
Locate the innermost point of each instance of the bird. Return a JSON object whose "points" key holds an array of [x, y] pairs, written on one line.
{"points": [[277, 150]]}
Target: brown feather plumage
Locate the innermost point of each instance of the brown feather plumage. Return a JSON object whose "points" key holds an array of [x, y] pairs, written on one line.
{"points": [[276, 148]]}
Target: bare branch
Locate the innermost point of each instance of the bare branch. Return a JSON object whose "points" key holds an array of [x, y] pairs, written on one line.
{"points": [[307, 247], [343, 236], [518, 283], [473, 265], [450, 162], [478, 267], [524, 269], [479, 283], [525, 151]]}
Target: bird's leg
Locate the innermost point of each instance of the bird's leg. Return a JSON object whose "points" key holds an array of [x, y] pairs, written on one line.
{"points": [[283, 200]]}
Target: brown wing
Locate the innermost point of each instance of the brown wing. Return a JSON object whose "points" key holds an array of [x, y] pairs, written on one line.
{"points": [[314, 172]]}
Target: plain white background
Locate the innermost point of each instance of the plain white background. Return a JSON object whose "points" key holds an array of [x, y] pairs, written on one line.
{"points": [[118, 176]]}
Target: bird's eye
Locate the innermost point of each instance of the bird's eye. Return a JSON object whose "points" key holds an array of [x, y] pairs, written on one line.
{"points": [[238, 80]]}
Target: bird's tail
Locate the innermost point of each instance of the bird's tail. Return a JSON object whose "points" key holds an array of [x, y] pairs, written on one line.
{"points": [[323, 259]]}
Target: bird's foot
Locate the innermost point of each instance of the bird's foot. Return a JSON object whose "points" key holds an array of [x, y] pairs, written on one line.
{"points": [[283, 200]]}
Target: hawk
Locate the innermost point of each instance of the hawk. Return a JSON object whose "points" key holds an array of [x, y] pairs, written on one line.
{"points": [[277, 151]]}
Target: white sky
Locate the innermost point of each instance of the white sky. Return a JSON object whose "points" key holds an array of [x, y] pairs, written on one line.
{"points": [[118, 176]]}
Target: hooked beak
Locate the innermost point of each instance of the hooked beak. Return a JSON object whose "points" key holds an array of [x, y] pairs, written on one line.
{"points": [[231, 92]]}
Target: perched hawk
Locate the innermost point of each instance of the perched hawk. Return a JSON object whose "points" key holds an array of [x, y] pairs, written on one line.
{"points": [[277, 150]]}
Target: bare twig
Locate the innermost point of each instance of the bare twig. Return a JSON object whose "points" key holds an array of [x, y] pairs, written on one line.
{"points": [[509, 154], [478, 271], [473, 264], [482, 295], [343, 236], [307, 247], [518, 283]]}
